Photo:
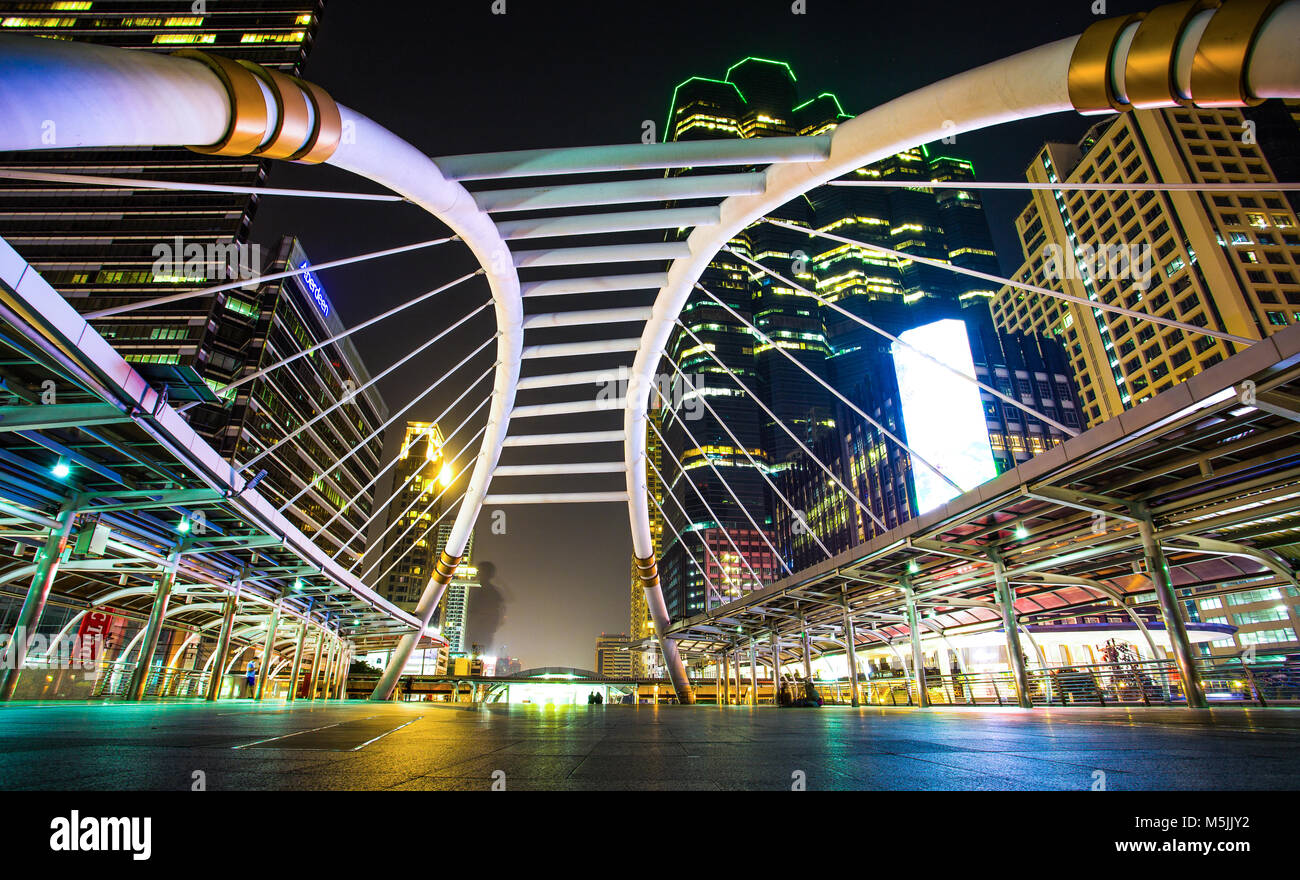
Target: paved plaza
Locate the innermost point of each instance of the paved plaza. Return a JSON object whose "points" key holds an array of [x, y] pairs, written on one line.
{"points": [[241, 745]]}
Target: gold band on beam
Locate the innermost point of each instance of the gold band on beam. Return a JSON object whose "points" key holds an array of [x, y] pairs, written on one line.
{"points": [[1150, 75], [1149, 78], [248, 117], [1090, 82], [647, 570], [1223, 54], [445, 568], [327, 125], [308, 127], [293, 124]]}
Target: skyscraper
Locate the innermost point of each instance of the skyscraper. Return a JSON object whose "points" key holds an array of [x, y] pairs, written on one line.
{"points": [[453, 610], [726, 462], [322, 430], [1227, 261], [411, 543], [613, 660], [104, 247]]}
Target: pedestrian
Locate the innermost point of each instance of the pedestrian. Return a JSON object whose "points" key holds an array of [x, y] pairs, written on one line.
{"points": [[250, 678]]}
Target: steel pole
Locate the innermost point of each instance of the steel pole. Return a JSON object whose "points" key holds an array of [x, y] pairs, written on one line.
{"points": [[153, 629], [776, 668], [726, 677], [851, 651], [331, 651], [223, 648], [29, 616], [1015, 656], [918, 661], [1158, 572], [264, 671], [314, 680], [343, 674], [753, 673], [807, 649], [297, 661]]}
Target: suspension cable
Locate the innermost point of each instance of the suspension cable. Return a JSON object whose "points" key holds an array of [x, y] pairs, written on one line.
{"points": [[393, 495], [423, 535], [862, 505], [686, 518], [274, 276], [691, 556], [758, 581], [427, 507], [725, 485], [139, 183], [361, 530], [386, 468], [820, 381], [348, 332], [1019, 285], [401, 412], [762, 472], [348, 398], [892, 338]]}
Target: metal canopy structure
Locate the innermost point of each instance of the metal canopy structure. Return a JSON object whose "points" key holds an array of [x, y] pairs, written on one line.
{"points": [[549, 216], [1219, 478]]}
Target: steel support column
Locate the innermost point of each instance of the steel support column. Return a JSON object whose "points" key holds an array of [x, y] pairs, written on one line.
{"points": [[297, 662], [1158, 572], [29, 616], [153, 629], [776, 668], [851, 651], [343, 672], [331, 651], [1015, 656], [314, 680], [918, 660], [726, 677], [264, 670], [753, 673], [807, 648], [223, 648]]}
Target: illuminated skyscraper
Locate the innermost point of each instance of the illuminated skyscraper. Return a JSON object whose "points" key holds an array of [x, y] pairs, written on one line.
{"points": [[322, 476], [411, 545], [103, 246], [453, 610], [760, 98], [1226, 261]]}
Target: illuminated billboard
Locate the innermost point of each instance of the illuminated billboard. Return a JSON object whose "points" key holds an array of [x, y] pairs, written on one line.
{"points": [[943, 416]]}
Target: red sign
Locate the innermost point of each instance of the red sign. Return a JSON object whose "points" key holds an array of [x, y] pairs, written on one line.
{"points": [[92, 634]]}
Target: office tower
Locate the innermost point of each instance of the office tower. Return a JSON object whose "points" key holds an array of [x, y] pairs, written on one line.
{"points": [[453, 610], [411, 543], [953, 424], [613, 660], [1222, 260], [323, 432], [103, 246], [760, 98]]}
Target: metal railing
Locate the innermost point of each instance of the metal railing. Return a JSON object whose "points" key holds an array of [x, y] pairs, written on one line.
{"points": [[1147, 683]]}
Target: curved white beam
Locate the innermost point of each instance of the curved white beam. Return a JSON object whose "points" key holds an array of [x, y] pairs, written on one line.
{"points": [[103, 96], [1029, 84]]}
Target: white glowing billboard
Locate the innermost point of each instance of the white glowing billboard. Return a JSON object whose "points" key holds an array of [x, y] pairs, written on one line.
{"points": [[943, 415]]}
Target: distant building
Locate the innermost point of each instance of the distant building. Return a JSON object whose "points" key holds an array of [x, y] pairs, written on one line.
{"points": [[613, 660], [453, 610], [410, 546], [1226, 261], [967, 432], [325, 473]]}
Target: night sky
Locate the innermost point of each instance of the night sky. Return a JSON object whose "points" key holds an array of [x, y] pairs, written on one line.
{"points": [[451, 77]]}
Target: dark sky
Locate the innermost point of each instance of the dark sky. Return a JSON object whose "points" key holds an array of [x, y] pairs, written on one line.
{"points": [[451, 77]]}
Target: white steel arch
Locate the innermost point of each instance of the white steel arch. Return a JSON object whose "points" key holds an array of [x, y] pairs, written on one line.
{"points": [[1100, 77], [102, 96]]}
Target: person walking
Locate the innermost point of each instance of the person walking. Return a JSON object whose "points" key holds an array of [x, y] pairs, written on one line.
{"points": [[250, 678]]}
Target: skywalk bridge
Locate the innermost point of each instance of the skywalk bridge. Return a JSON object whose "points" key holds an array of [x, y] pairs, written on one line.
{"points": [[1194, 489]]}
